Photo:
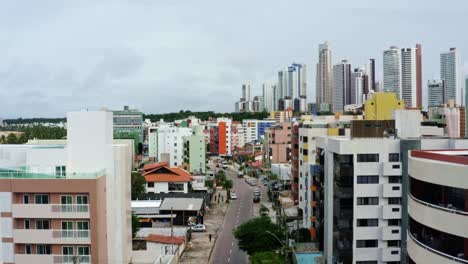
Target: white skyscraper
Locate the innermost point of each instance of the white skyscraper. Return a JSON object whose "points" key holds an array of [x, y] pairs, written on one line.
{"points": [[408, 76], [268, 96], [449, 66], [341, 85], [358, 83], [245, 92], [292, 87], [324, 78], [392, 71]]}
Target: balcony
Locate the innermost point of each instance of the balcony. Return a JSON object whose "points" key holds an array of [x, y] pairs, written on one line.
{"points": [[391, 168], [391, 233], [49, 259], [421, 253], [51, 236], [392, 190], [64, 211], [391, 212], [390, 254]]}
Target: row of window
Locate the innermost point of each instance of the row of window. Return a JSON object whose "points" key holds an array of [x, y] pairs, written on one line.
{"points": [[45, 224], [45, 249], [64, 199], [392, 157], [375, 200], [374, 179]]}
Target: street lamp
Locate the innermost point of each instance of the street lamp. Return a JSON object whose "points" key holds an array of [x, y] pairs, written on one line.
{"points": [[284, 245]]}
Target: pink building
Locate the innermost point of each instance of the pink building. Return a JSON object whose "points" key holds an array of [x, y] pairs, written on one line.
{"points": [[279, 143]]}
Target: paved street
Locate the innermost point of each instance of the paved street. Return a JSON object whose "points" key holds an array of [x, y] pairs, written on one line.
{"points": [[239, 211]]}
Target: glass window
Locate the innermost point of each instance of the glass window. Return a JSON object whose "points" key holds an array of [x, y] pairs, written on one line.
{"points": [[82, 199], [67, 225], [43, 249], [82, 225], [42, 224], [60, 171], [367, 157], [150, 184], [394, 200], [394, 222], [83, 251], [368, 179], [176, 186], [25, 198], [41, 199], [67, 250], [27, 224], [368, 200], [368, 222], [394, 179], [394, 157], [66, 199], [370, 243], [27, 249], [393, 243]]}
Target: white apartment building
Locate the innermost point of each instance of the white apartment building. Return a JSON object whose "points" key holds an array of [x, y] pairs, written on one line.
{"points": [[341, 85], [324, 75], [435, 90], [449, 73], [68, 198], [408, 76], [166, 143], [254, 130], [358, 82], [392, 71], [437, 207]]}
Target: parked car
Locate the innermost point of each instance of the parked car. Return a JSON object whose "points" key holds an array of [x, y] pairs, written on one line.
{"points": [[198, 228], [225, 166], [256, 199], [233, 196], [240, 174]]}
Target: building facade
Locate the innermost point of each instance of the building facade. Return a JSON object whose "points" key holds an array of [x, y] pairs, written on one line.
{"points": [[278, 143], [359, 86], [69, 200], [449, 73], [392, 71], [435, 90], [324, 76], [341, 86], [437, 207], [195, 151], [128, 122]]}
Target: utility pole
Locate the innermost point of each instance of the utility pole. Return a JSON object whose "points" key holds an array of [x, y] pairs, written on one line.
{"points": [[172, 233]]}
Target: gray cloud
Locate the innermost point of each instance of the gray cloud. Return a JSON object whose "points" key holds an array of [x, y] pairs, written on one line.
{"points": [[161, 56]]}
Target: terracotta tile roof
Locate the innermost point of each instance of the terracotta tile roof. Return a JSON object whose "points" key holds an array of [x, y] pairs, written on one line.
{"points": [[165, 239], [160, 172]]}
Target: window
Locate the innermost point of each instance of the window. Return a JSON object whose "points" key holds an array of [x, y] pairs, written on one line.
{"points": [[366, 243], [83, 251], [67, 225], [300, 186], [394, 157], [368, 200], [394, 179], [394, 222], [67, 250], [27, 249], [176, 186], [60, 171], [394, 200], [82, 225], [393, 243], [42, 224], [25, 198], [367, 222], [395, 231], [304, 139], [368, 158], [395, 188], [66, 199], [150, 184], [367, 262], [82, 199], [395, 209], [41, 198], [43, 249], [27, 224], [395, 166], [368, 179], [394, 252]]}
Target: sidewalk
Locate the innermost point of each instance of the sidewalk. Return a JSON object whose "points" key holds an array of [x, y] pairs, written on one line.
{"points": [[200, 249], [264, 201]]}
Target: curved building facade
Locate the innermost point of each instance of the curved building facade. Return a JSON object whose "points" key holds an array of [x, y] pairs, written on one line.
{"points": [[438, 207]]}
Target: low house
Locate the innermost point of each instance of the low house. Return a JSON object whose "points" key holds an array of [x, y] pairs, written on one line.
{"points": [[160, 178], [183, 208], [147, 212]]}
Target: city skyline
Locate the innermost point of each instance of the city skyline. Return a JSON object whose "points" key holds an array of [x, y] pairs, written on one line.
{"points": [[135, 57]]}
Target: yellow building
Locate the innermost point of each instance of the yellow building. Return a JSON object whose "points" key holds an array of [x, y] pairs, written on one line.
{"points": [[381, 105]]}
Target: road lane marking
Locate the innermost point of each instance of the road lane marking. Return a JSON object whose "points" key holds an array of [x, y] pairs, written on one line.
{"points": [[229, 259], [232, 243], [230, 251]]}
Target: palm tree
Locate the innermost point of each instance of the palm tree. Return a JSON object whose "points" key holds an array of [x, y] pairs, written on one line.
{"points": [[227, 185]]}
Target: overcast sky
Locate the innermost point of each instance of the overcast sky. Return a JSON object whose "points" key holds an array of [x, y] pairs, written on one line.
{"points": [[167, 55]]}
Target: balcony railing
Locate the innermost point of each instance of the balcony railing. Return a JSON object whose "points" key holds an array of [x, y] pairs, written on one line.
{"points": [[69, 208], [24, 173], [70, 233], [71, 259], [450, 210], [436, 251]]}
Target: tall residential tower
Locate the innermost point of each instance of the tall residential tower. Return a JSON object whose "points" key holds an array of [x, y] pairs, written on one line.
{"points": [[324, 83]]}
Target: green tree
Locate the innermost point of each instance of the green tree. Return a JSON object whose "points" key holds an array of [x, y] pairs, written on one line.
{"points": [[138, 185], [258, 235], [209, 184], [263, 211], [11, 139], [268, 257], [135, 225], [3, 139], [227, 185]]}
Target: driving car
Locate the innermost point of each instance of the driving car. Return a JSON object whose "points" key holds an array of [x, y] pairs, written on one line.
{"points": [[233, 196], [198, 228]]}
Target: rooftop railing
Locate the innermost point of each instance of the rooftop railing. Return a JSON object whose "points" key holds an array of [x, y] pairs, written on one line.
{"points": [[27, 174]]}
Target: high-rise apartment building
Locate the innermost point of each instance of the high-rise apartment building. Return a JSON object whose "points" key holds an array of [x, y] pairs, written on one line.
{"points": [[169, 142], [220, 136], [408, 76], [449, 67], [359, 86], [371, 73], [269, 96], [438, 207], [324, 77], [291, 90], [419, 75], [435, 90], [195, 150], [245, 92], [128, 123], [392, 71], [68, 202], [341, 86]]}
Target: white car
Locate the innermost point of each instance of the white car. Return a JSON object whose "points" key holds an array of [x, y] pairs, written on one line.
{"points": [[198, 228], [233, 196]]}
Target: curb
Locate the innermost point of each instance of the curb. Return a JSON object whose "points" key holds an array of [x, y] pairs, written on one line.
{"points": [[217, 234]]}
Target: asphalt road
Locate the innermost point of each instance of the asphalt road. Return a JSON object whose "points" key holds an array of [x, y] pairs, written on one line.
{"points": [[240, 210]]}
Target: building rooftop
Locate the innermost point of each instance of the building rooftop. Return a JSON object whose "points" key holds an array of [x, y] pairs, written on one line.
{"points": [[182, 204], [176, 240], [458, 156], [161, 172]]}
